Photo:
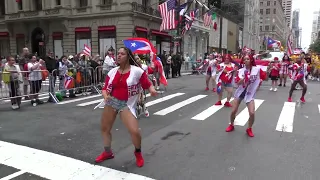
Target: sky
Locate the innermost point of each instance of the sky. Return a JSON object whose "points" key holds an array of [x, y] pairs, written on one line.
{"points": [[306, 17]]}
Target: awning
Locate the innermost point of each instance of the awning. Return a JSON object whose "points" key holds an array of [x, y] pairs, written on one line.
{"points": [[57, 35], [82, 29], [155, 32], [106, 28], [4, 34], [20, 36], [141, 29]]}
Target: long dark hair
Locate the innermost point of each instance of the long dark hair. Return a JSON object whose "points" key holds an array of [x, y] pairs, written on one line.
{"points": [[130, 56]]}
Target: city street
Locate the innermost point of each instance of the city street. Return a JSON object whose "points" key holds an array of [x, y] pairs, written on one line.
{"points": [[183, 139]]}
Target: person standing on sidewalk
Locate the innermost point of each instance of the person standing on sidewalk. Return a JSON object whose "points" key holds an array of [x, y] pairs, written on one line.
{"points": [[52, 66], [23, 61]]}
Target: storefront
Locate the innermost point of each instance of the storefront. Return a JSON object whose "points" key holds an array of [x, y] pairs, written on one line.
{"points": [[4, 44], [20, 43], [162, 41], [57, 39], [82, 37], [107, 39], [141, 32]]}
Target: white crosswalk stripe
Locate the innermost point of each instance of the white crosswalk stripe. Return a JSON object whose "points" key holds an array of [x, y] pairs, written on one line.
{"points": [[285, 122]]}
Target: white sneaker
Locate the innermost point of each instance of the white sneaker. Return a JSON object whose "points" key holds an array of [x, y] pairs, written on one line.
{"points": [[275, 89], [146, 112], [271, 89], [15, 106]]}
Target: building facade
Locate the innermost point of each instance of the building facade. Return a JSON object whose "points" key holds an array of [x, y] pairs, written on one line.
{"points": [[272, 20], [315, 26], [296, 28], [287, 7], [246, 13], [64, 26]]}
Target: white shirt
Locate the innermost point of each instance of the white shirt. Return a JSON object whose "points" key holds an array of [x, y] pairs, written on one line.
{"points": [[145, 68], [35, 74], [108, 63]]}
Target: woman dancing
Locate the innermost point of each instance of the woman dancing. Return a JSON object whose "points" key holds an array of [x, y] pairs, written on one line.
{"points": [[121, 92], [248, 80], [299, 69], [224, 79]]}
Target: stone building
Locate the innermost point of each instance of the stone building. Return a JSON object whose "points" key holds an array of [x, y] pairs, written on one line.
{"points": [[64, 26], [272, 20]]}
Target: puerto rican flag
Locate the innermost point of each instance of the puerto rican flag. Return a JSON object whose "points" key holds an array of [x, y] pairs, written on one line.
{"points": [[144, 46], [69, 82], [263, 64]]}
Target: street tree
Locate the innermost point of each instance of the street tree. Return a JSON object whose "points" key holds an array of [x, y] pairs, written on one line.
{"points": [[315, 46]]}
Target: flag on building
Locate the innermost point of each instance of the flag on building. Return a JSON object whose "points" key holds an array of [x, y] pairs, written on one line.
{"points": [[167, 12], [207, 19], [188, 25], [69, 82], [86, 50], [215, 21]]}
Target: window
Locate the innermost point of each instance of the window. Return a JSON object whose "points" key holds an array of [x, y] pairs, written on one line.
{"points": [[82, 38], [261, 3], [274, 11], [273, 27], [267, 11], [106, 2], [19, 4], [261, 11], [58, 2], [37, 5], [83, 3], [266, 28], [4, 46], [2, 8], [274, 3], [260, 28], [268, 3]]}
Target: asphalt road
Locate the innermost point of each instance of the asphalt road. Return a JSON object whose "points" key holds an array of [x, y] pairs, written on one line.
{"points": [[182, 142]]}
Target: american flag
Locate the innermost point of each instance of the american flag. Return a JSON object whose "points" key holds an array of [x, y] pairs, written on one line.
{"points": [[289, 45], [87, 50], [207, 19], [188, 25], [167, 11]]}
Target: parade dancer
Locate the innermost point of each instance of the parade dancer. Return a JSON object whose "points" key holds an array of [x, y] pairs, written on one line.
{"points": [[274, 73], [299, 69], [121, 92], [248, 80], [284, 70], [211, 73], [224, 79]]}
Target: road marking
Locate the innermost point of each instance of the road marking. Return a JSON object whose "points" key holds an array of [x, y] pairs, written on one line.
{"points": [[210, 111], [79, 99], [148, 104], [243, 117], [179, 105], [319, 107], [54, 166], [11, 176], [285, 122]]}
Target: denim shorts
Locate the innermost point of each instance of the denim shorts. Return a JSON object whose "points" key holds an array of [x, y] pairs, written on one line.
{"points": [[227, 84], [118, 105]]}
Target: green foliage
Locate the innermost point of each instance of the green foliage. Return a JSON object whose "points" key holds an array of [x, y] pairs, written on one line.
{"points": [[315, 47]]}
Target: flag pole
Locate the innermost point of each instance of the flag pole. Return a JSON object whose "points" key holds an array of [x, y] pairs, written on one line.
{"points": [[267, 37]]}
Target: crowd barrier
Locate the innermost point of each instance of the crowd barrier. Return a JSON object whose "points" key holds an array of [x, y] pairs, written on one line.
{"points": [[17, 85]]}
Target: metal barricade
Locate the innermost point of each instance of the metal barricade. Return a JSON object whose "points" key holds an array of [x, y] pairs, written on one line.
{"points": [[78, 80], [16, 85]]}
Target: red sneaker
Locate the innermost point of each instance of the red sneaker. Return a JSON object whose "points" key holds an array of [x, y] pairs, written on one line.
{"points": [[227, 104], [302, 100], [207, 89], [218, 103], [230, 128], [104, 156], [139, 159], [289, 99], [249, 132], [214, 90]]}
